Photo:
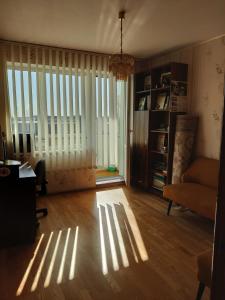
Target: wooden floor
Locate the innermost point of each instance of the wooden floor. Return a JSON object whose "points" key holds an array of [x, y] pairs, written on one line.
{"points": [[107, 244]]}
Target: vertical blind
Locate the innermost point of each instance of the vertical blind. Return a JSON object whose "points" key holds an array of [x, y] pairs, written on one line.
{"points": [[65, 107]]}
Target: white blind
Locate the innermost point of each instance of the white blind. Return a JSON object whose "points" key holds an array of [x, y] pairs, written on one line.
{"points": [[66, 104]]}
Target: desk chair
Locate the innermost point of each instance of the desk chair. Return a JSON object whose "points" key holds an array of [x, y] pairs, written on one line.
{"points": [[41, 183]]}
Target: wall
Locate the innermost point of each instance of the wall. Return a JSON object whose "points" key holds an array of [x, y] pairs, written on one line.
{"points": [[206, 63]]}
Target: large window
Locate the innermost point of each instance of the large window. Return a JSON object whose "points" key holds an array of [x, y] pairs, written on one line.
{"points": [[64, 111]]}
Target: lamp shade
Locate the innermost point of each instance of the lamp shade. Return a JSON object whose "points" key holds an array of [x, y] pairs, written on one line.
{"points": [[121, 65]]}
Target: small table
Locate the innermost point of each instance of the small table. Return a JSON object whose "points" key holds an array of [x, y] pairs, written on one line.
{"points": [[18, 220]]}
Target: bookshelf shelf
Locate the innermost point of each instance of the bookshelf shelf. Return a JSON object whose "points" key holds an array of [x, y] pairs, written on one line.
{"points": [[157, 188], [159, 110], [159, 131], [141, 109], [160, 89], [159, 152], [143, 92]]}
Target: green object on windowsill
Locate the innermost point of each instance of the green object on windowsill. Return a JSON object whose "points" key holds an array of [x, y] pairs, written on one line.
{"points": [[111, 168]]}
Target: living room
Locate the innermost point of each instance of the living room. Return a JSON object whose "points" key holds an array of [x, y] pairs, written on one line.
{"points": [[111, 168]]}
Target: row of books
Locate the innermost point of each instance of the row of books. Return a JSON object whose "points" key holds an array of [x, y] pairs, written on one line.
{"points": [[158, 179]]}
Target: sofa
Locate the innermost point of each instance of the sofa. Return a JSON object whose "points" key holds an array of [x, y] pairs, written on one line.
{"points": [[198, 188]]}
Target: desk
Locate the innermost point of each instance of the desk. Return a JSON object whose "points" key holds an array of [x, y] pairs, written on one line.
{"points": [[18, 208]]}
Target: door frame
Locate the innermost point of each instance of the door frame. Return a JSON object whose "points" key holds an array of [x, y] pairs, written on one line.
{"points": [[218, 273]]}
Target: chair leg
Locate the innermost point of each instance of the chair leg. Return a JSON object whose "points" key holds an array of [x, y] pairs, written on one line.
{"points": [[201, 289], [43, 211], [169, 207]]}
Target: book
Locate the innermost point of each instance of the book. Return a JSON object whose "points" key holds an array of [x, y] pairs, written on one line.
{"points": [[158, 183]]}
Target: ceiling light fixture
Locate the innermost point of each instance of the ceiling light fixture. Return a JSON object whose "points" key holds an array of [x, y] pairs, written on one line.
{"points": [[120, 64]]}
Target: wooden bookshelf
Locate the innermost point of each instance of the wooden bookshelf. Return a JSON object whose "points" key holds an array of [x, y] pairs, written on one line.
{"points": [[153, 148]]}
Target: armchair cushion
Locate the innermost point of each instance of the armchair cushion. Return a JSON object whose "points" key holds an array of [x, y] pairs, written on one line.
{"points": [[197, 197], [203, 171]]}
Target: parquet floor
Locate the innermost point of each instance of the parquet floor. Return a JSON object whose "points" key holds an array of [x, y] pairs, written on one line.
{"points": [[112, 243]]}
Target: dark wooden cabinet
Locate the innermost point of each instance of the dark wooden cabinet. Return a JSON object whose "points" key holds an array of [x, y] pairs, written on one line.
{"points": [[140, 149], [18, 221], [160, 94]]}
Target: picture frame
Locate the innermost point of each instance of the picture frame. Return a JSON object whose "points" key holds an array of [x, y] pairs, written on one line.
{"points": [[165, 79], [142, 103], [160, 101]]}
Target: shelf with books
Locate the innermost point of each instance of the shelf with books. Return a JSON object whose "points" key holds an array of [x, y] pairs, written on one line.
{"points": [[161, 93], [167, 99]]}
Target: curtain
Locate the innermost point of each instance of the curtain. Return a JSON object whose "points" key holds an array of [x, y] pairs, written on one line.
{"points": [[65, 107]]}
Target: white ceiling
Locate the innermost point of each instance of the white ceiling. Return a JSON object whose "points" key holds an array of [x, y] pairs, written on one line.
{"points": [[150, 27]]}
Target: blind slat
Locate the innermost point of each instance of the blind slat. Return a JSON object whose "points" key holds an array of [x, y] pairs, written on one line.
{"points": [[39, 108], [30, 99], [65, 123], [15, 111], [52, 114], [59, 114], [44, 109], [71, 118], [83, 113]]}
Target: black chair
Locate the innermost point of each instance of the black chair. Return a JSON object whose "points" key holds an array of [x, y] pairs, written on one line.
{"points": [[41, 183]]}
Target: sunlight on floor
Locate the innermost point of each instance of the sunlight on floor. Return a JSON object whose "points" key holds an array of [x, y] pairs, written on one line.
{"points": [[50, 249], [61, 269], [26, 274], [50, 269], [56, 252], [110, 199], [37, 276], [74, 254]]}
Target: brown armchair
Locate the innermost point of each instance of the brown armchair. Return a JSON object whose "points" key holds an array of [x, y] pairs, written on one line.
{"points": [[198, 188]]}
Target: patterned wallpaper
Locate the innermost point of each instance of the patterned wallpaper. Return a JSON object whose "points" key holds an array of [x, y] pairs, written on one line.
{"points": [[206, 89], [207, 95]]}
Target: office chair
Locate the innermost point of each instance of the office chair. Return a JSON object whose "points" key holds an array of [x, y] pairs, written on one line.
{"points": [[41, 183]]}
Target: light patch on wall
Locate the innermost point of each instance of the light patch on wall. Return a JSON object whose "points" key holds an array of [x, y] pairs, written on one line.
{"points": [[219, 69]]}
